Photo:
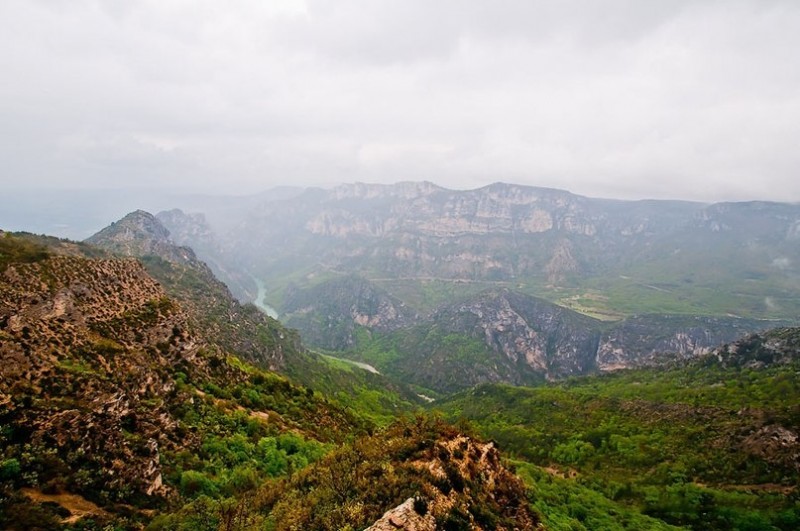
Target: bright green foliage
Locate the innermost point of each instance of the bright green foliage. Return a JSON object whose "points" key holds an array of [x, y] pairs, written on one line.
{"points": [[680, 445], [9, 469], [567, 505]]}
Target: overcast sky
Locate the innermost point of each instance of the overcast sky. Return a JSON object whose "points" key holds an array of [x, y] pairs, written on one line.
{"points": [[631, 99]]}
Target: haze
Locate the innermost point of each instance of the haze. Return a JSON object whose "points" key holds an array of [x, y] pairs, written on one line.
{"points": [[631, 99]]}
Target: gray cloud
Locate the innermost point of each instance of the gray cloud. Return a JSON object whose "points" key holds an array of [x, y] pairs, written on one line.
{"points": [[697, 100]]}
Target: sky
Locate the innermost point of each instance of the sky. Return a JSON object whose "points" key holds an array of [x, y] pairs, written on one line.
{"points": [[630, 99]]}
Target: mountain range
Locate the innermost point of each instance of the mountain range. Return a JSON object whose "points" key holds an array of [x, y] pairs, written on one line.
{"points": [[606, 258], [136, 390]]}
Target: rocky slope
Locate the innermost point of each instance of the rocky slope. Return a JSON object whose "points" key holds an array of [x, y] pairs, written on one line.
{"points": [[329, 313], [643, 340], [66, 325], [215, 312], [418, 474], [115, 407], [780, 346], [101, 375], [496, 336]]}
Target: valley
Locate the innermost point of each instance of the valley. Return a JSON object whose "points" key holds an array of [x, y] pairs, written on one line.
{"points": [[502, 358]]}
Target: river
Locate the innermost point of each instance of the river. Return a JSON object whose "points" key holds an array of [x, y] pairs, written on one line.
{"points": [[358, 364], [260, 303]]}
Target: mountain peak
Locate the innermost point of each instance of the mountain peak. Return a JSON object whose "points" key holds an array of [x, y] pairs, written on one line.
{"points": [[139, 234]]}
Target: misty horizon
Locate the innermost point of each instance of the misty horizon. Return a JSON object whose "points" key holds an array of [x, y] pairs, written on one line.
{"points": [[680, 100]]}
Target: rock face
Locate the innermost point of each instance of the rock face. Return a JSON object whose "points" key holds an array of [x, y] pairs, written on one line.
{"points": [[647, 339], [530, 333], [329, 313], [496, 336], [419, 229]]}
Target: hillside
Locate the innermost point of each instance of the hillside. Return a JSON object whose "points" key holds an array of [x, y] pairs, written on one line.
{"points": [[125, 401], [242, 329], [104, 387], [712, 444], [497, 335], [329, 313], [118, 411]]}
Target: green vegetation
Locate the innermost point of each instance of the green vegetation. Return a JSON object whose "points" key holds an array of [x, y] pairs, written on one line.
{"points": [[16, 249], [25, 248], [691, 446], [426, 295], [569, 505], [168, 413], [229, 432], [355, 484], [450, 360]]}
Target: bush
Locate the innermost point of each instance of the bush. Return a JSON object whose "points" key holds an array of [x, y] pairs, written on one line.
{"points": [[9, 469], [194, 484]]}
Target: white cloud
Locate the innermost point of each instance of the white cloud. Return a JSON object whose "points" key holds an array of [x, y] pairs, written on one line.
{"points": [[621, 98]]}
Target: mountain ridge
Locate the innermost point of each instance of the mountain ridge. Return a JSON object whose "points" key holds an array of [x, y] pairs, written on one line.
{"points": [[512, 337], [609, 256]]}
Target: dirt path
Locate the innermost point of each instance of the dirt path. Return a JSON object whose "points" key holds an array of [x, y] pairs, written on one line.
{"points": [[78, 506]]}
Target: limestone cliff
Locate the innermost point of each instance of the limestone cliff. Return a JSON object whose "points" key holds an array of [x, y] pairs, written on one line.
{"points": [[497, 335]]}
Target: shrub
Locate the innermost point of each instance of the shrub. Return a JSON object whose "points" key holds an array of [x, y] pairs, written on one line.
{"points": [[9, 469], [194, 484]]}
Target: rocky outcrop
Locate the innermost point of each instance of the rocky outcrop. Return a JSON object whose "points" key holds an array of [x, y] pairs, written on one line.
{"points": [[459, 462], [141, 234], [774, 444], [406, 518], [531, 334], [644, 340], [780, 346]]}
